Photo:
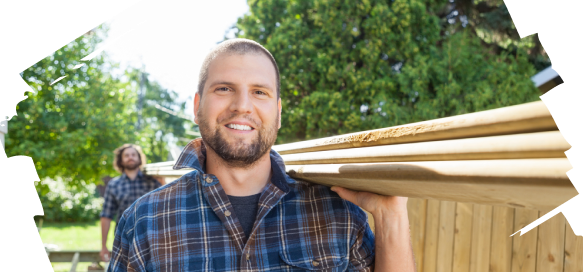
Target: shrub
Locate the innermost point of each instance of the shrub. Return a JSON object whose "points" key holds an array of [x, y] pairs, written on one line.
{"points": [[65, 203]]}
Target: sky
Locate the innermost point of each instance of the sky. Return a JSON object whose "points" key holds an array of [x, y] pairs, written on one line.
{"points": [[171, 40]]}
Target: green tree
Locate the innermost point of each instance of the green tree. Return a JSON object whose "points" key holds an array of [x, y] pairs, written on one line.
{"points": [[356, 65], [70, 128]]}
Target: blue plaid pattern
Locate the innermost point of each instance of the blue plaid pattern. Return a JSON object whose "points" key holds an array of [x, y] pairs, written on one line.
{"points": [[190, 225], [121, 192]]}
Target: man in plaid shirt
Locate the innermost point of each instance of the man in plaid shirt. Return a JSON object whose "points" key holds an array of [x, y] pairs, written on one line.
{"points": [[122, 191], [238, 210]]}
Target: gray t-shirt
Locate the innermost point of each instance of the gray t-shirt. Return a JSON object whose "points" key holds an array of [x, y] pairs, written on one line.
{"points": [[246, 210]]}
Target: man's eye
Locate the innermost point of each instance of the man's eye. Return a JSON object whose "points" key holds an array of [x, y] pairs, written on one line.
{"points": [[260, 92], [223, 89]]}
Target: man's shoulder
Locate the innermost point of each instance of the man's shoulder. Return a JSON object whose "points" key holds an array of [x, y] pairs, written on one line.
{"points": [[114, 181], [325, 200]]}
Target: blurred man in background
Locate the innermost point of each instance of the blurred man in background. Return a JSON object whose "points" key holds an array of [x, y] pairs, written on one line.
{"points": [[122, 191]]}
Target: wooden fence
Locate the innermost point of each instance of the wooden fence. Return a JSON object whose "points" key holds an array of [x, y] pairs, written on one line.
{"points": [[461, 237]]}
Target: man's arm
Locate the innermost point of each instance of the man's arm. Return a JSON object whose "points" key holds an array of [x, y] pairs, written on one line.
{"points": [[393, 250], [105, 253], [109, 209]]}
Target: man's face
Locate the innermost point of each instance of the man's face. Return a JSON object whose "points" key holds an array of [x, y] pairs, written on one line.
{"points": [[130, 159], [239, 112]]}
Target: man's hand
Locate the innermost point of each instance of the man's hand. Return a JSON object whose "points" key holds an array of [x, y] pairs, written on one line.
{"points": [[393, 250], [374, 203], [105, 254]]}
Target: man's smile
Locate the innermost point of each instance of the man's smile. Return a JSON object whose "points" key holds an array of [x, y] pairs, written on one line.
{"points": [[239, 126]]}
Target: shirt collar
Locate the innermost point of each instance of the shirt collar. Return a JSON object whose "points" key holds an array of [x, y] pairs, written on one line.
{"points": [[138, 177], [194, 156]]}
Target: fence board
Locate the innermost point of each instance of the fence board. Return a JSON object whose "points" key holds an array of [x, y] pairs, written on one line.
{"points": [[481, 235], [417, 209], [431, 236], [445, 237], [524, 247], [573, 251], [462, 237], [551, 244], [501, 248]]}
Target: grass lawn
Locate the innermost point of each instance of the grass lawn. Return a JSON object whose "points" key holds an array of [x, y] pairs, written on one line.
{"points": [[72, 236]]}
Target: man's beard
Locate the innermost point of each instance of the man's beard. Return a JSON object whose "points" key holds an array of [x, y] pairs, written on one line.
{"points": [[131, 166], [238, 154]]}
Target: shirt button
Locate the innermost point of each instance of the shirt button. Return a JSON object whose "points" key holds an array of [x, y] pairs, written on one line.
{"points": [[209, 180], [315, 263], [228, 213], [248, 257]]}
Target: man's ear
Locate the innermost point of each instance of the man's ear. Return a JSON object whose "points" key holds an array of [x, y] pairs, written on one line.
{"points": [[196, 105], [279, 108]]}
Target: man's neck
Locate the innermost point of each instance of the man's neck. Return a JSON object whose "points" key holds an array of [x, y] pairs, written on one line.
{"points": [[131, 174], [239, 181]]}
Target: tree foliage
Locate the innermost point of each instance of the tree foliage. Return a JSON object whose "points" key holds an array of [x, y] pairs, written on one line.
{"points": [[356, 65], [71, 128]]}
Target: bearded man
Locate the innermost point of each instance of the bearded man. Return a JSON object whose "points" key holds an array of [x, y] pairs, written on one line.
{"points": [[122, 191], [238, 210]]}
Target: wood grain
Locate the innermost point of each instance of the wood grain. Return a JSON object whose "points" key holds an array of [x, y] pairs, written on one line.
{"points": [[548, 144], [501, 248], [431, 236], [551, 244], [417, 210], [573, 251], [462, 237], [446, 236], [528, 117], [481, 238], [530, 183], [524, 247]]}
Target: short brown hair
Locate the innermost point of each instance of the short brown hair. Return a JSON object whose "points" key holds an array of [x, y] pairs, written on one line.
{"points": [[117, 161], [234, 46]]}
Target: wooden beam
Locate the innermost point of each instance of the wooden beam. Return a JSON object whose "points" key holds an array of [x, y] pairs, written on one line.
{"points": [[530, 183], [549, 144], [66, 256], [529, 117]]}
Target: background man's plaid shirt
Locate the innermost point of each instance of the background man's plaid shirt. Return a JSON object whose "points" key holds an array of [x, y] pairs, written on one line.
{"points": [[190, 225], [121, 192]]}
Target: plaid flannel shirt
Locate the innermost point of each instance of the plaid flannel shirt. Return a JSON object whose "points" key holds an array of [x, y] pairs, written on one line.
{"points": [[121, 192], [190, 225]]}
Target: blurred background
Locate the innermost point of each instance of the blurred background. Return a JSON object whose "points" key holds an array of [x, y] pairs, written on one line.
{"points": [[345, 66]]}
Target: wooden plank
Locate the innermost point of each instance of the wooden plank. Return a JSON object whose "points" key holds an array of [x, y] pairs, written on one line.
{"points": [[481, 234], [501, 247], [573, 251], [431, 236], [524, 247], [462, 237], [549, 144], [417, 210], [530, 183], [74, 262], [551, 244], [66, 256], [529, 117], [446, 236]]}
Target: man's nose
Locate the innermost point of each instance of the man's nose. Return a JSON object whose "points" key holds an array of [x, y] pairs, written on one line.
{"points": [[242, 102]]}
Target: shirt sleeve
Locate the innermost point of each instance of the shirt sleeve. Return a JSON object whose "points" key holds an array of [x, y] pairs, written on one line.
{"points": [[124, 255], [110, 204], [362, 254]]}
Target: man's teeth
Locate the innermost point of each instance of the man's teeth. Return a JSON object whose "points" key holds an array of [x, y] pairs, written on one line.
{"points": [[239, 127]]}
